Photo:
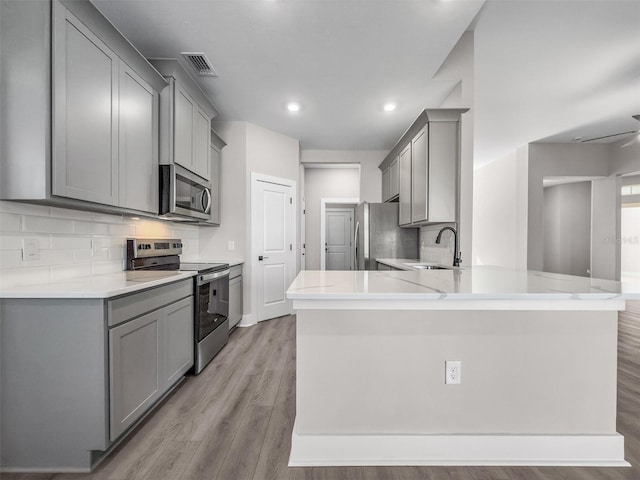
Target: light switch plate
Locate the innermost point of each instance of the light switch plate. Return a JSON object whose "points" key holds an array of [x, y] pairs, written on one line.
{"points": [[30, 250], [231, 246]]}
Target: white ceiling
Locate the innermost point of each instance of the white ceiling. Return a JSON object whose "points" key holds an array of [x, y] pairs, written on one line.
{"points": [[544, 69], [341, 60]]}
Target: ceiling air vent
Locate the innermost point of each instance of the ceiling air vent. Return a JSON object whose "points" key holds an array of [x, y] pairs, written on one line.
{"points": [[200, 63]]}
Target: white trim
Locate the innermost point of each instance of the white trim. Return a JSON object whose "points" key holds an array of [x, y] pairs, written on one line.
{"points": [[255, 245], [323, 212], [246, 321], [470, 450]]}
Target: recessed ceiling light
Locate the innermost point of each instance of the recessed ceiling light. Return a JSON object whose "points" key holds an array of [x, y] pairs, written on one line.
{"points": [[293, 106], [389, 107]]}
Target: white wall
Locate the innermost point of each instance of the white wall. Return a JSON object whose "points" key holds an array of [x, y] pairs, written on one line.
{"points": [[500, 212], [567, 229], [250, 148], [214, 242], [75, 244], [324, 183], [459, 65], [624, 160], [370, 175], [556, 159], [605, 221]]}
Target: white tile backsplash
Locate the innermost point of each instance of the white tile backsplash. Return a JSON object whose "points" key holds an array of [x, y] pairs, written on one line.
{"points": [[430, 251], [10, 222], [74, 244]]}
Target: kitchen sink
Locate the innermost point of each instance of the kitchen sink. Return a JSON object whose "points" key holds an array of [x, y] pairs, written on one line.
{"points": [[430, 267], [427, 266]]}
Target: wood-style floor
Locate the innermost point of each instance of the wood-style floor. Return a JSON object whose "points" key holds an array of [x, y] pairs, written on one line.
{"points": [[234, 422]]}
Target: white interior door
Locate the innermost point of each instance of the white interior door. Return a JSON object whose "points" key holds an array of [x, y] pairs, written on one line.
{"points": [[274, 231], [338, 239]]}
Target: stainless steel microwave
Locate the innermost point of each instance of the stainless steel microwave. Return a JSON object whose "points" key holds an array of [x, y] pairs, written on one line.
{"points": [[184, 195]]}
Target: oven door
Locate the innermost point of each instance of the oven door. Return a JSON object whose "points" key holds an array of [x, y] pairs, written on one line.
{"points": [[212, 306], [184, 194]]}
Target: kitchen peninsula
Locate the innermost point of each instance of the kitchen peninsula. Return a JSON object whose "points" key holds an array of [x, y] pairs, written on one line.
{"points": [[538, 355]]}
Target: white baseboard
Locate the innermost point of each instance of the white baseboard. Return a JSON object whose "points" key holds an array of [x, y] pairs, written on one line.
{"points": [[246, 321], [469, 450]]}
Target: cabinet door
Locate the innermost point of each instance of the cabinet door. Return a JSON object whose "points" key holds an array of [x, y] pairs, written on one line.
{"points": [[134, 360], [394, 186], [138, 142], [215, 186], [183, 128], [85, 105], [419, 180], [443, 171], [385, 185], [201, 143], [404, 159], [178, 341], [235, 301]]}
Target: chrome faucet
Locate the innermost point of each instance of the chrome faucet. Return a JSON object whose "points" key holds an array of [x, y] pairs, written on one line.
{"points": [[457, 258]]}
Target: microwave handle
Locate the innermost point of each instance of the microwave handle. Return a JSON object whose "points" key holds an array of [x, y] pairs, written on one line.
{"points": [[207, 206]]}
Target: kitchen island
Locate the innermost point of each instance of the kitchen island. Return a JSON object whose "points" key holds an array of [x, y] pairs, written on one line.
{"points": [[538, 355]]}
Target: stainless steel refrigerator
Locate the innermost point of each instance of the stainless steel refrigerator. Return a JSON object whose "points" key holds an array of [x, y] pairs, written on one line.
{"points": [[377, 235]]}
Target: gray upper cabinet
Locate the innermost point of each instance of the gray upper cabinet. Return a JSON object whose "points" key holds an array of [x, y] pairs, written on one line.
{"points": [[427, 157], [201, 142], [185, 120], [404, 162], [79, 110], [419, 177], [386, 191], [215, 159], [85, 100], [184, 115], [137, 142], [391, 181], [394, 179]]}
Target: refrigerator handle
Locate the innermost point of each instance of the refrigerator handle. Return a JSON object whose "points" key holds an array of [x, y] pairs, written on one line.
{"points": [[355, 242]]}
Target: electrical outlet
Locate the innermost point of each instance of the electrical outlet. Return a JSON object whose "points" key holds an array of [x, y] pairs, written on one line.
{"points": [[453, 372], [231, 245]]}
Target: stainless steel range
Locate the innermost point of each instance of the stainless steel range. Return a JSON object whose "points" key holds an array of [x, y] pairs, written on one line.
{"points": [[211, 322]]}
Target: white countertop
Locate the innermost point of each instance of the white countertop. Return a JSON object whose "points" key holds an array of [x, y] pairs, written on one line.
{"points": [[465, 283], [97, 286]]}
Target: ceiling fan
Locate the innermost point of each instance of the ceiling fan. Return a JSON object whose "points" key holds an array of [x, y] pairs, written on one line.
{"points": [[635, 139]]}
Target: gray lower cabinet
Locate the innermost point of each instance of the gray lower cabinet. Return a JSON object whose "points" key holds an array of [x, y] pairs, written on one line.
{"points": [[235, 296], [148, 355], [78, 373], [134, 352]]}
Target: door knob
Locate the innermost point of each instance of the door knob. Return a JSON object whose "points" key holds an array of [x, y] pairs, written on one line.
{"points": [[261, 257]]}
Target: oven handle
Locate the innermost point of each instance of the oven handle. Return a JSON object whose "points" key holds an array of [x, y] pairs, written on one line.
{"points": [[202, 279]]}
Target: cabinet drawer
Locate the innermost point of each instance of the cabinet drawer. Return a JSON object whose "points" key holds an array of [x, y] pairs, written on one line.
{"points": [[125, 308], [236, 271]]}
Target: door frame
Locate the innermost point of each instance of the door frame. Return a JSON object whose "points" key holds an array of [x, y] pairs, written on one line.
{"points": [[255, 244], [323, 212]]}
